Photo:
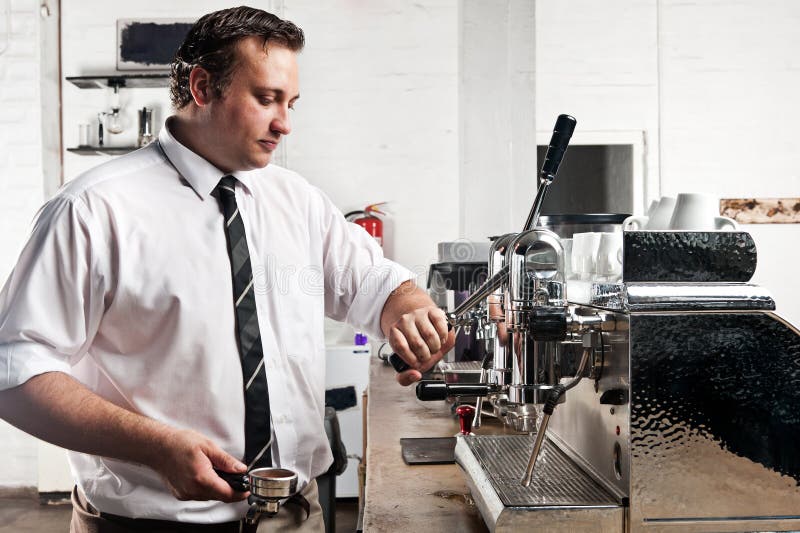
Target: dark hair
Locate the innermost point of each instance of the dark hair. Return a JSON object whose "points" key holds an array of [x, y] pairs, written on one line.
{"points": [[211, 44]]}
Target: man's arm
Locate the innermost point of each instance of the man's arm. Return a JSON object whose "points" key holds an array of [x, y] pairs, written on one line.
{"points": [[416, 329], [56, 408]]}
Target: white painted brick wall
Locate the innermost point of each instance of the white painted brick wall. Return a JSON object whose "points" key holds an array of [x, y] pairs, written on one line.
{"points": [[598, 62], [496, 116], [378, 116], [21, 188], [730, 77], [724, 100]]}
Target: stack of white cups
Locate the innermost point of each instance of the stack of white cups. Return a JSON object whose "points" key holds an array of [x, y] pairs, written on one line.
{"points": [[595, 256], [687, 212]]}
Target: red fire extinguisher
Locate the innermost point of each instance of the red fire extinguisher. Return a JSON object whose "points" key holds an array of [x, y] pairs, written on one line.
{"points": [[367, 220]]}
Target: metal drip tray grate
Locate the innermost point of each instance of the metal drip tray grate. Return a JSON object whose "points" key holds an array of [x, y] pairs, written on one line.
{"points": [[557, 481]]}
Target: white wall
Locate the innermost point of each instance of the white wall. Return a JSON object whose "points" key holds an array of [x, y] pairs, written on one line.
{"points": [[21, 186], [597, 61], [377, 118], [730, 75], [712, 84], [497, 148]]}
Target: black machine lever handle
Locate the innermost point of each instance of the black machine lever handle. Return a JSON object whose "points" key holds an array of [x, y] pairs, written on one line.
{"points": [[562, 132], [399, 364]]}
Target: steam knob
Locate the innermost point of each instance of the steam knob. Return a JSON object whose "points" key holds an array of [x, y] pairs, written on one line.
{"points": [[465, 414]]}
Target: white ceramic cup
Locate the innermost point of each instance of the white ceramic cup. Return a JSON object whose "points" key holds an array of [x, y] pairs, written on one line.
{"points": [[699, 212], [609, 255], [567, 244], [83, 133], [584, 254], [659, 218]]}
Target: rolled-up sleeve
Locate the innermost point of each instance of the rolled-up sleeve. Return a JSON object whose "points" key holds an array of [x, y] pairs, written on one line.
{"points": [[52, 303], [358, 278]]}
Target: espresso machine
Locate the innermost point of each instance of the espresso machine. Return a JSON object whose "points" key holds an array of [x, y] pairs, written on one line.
{"points": [[668, 400]]}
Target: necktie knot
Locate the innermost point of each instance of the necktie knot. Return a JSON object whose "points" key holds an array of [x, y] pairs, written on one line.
{"points": [[227, 197], [227, 185]]}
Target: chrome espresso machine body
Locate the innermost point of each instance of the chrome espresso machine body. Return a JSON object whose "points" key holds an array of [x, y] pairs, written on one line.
{"points": [[668, 400], [686, 416]]}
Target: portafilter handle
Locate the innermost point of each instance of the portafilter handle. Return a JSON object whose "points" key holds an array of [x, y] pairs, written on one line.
{"points": [[238, 482], [472, 301], [562, 133], [435, 390], [399, 364]]}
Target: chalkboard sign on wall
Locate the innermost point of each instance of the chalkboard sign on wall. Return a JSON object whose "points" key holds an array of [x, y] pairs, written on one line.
{"points": [[149, 44]]}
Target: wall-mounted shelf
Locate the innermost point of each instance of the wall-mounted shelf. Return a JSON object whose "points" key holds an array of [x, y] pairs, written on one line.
{"points": [[102, 150], [128, 81]]}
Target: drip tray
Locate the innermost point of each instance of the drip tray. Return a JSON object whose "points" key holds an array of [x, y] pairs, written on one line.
{"points": [[561, 498], [557, 480]]}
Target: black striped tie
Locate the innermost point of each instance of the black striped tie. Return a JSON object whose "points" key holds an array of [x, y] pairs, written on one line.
{"points": [[257, 431]]}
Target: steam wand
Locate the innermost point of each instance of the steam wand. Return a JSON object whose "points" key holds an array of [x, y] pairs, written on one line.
{"points": [[549, 406]]}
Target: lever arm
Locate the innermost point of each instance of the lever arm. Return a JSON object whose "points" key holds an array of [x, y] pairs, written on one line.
{"points": [[562, 133]]}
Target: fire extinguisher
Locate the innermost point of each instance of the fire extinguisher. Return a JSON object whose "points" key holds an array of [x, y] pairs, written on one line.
{"points": [[367, 220]]}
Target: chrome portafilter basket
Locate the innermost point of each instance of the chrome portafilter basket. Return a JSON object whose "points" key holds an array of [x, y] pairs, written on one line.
{"points": [[267, 486]]}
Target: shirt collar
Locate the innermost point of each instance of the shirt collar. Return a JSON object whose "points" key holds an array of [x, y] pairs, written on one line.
{"points": [[201, 175]]}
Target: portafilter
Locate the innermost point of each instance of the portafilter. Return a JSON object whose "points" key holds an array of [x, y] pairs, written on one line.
{"points": [[267, 486]]}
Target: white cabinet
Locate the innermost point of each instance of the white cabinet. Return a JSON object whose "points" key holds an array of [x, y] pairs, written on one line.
{"points": [[348, 366]]}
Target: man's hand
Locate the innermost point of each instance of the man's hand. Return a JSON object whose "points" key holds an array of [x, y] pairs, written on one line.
{"points": [[187, 465], [56, 408], [421, 338]]}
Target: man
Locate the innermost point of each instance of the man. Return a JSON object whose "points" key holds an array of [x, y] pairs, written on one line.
{"points": [[165, 317]]}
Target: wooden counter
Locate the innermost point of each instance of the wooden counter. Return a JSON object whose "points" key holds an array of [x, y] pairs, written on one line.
{"points": [[410, 499]]}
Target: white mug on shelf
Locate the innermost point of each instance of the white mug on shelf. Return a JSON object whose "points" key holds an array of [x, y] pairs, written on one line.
{"points": [[609, 256], [699, 212], [652, 208], [567, 244], [584, 254], [659, 218]]}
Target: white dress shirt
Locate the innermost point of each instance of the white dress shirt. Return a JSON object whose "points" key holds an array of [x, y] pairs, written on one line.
{"points": [[125, 284]]}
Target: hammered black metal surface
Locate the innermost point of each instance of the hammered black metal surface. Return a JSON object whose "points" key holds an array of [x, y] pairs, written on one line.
{"points": [[557, 480], [731, 379], [687, 256]]}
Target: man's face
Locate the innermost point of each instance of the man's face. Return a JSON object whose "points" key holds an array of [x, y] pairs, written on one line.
{"points": [[249, 119]]}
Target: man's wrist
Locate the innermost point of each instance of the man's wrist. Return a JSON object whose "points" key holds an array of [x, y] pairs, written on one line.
{"points": [[405, 298], [156, 441]]}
